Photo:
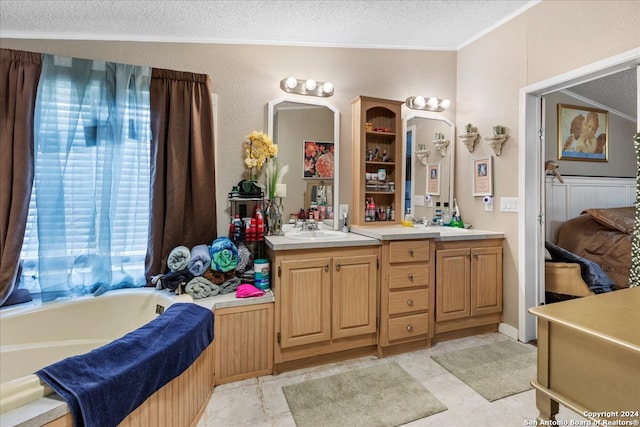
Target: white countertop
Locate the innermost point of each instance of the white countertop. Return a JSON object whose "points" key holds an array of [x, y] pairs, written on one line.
{"points": [[281, 243], [230, 300], [400, 232]]}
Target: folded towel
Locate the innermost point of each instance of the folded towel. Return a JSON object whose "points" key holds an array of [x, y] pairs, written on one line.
{"points": [[200, 260], [103, 386], [244, 257], [179, 258], [230, 285], [199, 287], [215, 277], [174, 279], [224, 255]]}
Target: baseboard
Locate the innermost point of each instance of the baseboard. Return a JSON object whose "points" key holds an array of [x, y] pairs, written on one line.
{"points": [[508, 330]]}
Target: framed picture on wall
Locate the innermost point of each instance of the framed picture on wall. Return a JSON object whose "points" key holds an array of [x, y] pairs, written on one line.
{"points": [[583, 133], [482, 177], [433, 179], [318, 159]]}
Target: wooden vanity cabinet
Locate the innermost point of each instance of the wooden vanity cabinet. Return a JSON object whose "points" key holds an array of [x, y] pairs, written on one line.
{"points": [[377, 145], [325, 303], [406, 295], [468, 285]]}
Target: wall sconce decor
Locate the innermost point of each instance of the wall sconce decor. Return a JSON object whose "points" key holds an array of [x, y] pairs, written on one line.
{"points": [[422, 154], [427, 104], [469, 137], [308, 87], [441, 144], [497, 139]]}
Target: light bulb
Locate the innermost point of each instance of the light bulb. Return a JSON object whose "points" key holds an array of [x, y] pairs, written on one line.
{"points": [[445, 103], [327, 87], [419, 101], [432, 102], [291, 82], [310, 84]]}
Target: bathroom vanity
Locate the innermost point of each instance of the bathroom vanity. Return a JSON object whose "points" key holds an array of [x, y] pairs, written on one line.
{"points": [[381, 289]]}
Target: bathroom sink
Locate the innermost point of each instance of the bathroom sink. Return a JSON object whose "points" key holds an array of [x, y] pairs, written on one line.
{"points": [[314, 235]]}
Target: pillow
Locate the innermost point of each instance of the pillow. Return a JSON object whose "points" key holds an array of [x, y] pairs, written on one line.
{"points": [[621, 219]]}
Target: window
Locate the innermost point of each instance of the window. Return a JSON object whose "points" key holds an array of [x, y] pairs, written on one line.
{"points": [[89, 208]]}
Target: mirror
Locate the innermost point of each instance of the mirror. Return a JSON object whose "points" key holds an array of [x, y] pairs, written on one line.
{"points": [[307, 132], [427, 170]]}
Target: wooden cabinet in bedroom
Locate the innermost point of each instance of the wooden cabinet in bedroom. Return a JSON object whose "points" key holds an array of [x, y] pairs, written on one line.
{"points": [[325, 303], [468, 285]]}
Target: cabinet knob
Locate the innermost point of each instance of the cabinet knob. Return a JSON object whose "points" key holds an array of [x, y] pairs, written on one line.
{"points": [[326, 266], [410, 252], [411, 276], [337, 266], [410, 302], [409, 328], [475, 255]]}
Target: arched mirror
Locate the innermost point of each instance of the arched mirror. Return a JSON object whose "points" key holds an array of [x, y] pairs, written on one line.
{"points": [[429, 161], [307, 132]]}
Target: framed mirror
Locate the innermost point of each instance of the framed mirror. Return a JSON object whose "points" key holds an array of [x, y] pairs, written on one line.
{"points": [[307, 132], [428, 167]]}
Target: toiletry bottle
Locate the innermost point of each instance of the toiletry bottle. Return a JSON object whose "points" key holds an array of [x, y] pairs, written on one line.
{"points": [[393, 213], [446, 214], [437, 214]]}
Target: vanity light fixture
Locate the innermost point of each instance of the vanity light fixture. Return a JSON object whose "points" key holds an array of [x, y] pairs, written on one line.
{"points": [[427, 104], [306, 87]]}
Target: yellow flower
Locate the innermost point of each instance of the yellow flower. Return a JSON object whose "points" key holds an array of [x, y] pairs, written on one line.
{"points": [[258, 149]]}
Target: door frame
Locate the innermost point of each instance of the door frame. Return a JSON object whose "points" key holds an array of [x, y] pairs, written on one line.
{"points": [[530, 175]]}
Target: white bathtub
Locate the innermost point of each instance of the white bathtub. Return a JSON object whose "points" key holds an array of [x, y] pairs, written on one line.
{"points": [[34, 335]]}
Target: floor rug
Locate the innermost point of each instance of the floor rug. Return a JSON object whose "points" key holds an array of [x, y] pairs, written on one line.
{"points": [[383, 395], [494, 370]]}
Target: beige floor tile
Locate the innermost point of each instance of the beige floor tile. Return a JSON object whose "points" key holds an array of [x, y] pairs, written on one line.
{"points": [[261, 402]]}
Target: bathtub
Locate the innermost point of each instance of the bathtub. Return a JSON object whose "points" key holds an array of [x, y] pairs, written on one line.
{"points": [[34, 335]]}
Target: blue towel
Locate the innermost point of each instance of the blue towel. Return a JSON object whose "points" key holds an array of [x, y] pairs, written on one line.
{"points": [[224, 255], [103, 386], [200, 260]]}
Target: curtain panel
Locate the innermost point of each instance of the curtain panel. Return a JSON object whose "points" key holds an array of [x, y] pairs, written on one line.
{"points": [[20, 74], [183, 202]]}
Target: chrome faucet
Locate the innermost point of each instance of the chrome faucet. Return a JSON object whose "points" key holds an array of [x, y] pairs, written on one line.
{"points": [[310, 225]]}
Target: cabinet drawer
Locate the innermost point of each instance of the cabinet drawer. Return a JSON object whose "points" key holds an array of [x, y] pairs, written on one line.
{"points": [[408, 326], [408, 250], [406, 276], [408, 301]]}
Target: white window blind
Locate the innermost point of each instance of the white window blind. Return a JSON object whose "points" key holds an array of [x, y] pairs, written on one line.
{"points": [[76, 137]]}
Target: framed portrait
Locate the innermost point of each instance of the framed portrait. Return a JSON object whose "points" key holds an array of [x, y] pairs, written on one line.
{"points": [[583, 133], [482, 177], [318, 158], [433, 179]]}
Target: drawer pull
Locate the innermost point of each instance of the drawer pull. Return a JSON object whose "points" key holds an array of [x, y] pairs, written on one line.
{"points": [[411, 276], [410, 302], [409, 328], [476, 255], [326, 266], [410, 252], [338, 266]]}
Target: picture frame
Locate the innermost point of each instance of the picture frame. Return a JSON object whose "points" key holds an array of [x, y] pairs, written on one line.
{"points": [[433, 179], [318, 160], [483, 176], [583, 133]]}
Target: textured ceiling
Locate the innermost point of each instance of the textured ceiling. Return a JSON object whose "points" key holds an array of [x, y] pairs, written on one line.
{"points": [[392, 24], [434, 24]]}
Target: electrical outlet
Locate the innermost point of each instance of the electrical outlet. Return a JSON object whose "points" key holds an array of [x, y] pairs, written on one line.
{"points": [[419, 199], [343, 208]]}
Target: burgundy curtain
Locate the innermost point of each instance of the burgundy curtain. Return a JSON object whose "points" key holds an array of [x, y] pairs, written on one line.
{"points": [[183, 200], [19, 76]]}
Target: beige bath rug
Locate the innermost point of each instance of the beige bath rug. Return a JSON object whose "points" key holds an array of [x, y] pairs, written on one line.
{"points": [[383, 395]]}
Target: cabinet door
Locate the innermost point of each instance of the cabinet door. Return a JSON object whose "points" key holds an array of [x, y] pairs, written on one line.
{"points": [[305, 302], [354, 295], [486, 281], [453, 295]]}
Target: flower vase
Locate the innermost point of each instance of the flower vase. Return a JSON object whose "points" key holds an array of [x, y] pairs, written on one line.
{"points": [[273, 213]]}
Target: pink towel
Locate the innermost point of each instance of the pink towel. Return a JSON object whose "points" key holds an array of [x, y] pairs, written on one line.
{"points": [[246, 290]]}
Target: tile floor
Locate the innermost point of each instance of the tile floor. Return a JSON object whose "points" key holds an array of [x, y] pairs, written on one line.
{"points": [[260, 401]]}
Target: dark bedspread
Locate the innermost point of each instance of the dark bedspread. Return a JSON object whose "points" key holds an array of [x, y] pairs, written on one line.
{"points": [[103, 386]]}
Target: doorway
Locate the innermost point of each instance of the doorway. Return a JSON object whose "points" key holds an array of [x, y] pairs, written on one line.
{"points": [[531, 178]]}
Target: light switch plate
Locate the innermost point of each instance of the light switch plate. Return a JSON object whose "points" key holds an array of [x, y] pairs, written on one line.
{"points": [[419, 199], [509, 204]]}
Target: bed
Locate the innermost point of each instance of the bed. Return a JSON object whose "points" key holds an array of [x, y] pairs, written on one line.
{"points": [[597, 245]]}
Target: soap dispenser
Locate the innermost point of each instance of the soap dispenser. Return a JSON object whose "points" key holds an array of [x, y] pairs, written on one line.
{"points": [[345, 222]]}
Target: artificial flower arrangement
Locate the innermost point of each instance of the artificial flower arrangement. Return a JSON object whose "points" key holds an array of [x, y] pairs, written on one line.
{"points": [[259, 149], [273, 176]]}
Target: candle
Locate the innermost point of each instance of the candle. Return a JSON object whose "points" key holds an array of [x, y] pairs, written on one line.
{"points": [[281, 190]]}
